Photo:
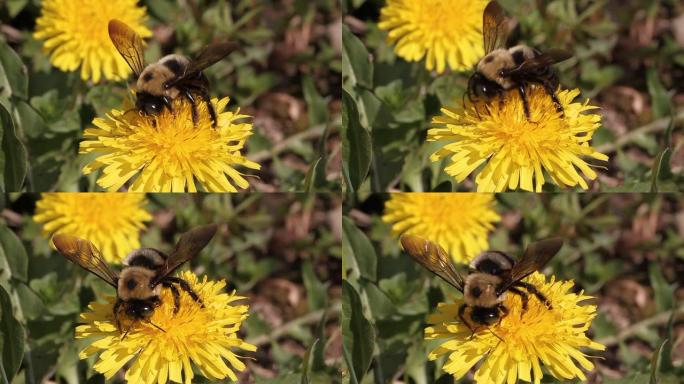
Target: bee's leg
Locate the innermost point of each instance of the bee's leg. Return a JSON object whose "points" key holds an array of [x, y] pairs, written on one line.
{"points": [[523, 296], [167, 103], [186, 287], [533, 290], [461, 315], [523, 97], [176, 295], [470, 98], [212, 113], [115, 309], [193, 104], [548, 87], [504, 312]]}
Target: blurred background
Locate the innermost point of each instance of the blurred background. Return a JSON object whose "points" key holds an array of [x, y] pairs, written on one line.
{"points": [[628, 60], [624, 249], [286, 75], [281, 251]]}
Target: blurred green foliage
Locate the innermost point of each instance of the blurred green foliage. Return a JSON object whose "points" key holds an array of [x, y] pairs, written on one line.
{"points": [[623, 249], [264, 249], [621, 62], [289, 61]]}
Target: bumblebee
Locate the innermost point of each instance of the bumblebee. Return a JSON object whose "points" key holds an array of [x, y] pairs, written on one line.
{"points": [[146, 270], [491, 275], [174, 76], [504, 69]]}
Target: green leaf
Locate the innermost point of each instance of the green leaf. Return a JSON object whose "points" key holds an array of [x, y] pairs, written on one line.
{"points": [[660, 97], [13, 74], [361, 248], [307, 362], [12, 255], [359, 334], [356, 144], [13, 156], [11, 337], [30, 121], [15, 6], [661, 168], [655, 362], [316, 104], [315, 176], [316, 291], [663, 292], [356, 63], [666, 364]]}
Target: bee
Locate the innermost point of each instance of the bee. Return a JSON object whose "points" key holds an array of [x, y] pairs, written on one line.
{"points": [[491, 275], [146, 270], [174, 76], [502, 69]]}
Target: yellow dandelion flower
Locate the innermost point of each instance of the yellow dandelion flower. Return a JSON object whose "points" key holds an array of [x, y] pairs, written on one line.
{"points": [[75, 35], [112, 221], [168, 152], [516, 151], [516, 348], [442, 32], [203, 337], [459, 222]]}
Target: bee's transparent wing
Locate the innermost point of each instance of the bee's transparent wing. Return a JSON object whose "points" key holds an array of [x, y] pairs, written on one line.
{"points": [[536, 256], [129, 44], [210, 55], [188, 247], [86, 255], [433, 257], [494, 29]]}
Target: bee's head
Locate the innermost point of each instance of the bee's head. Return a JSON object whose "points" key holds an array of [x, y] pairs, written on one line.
{"points": [[149, 104], [480, 86], [485, 315], [141, 309]]}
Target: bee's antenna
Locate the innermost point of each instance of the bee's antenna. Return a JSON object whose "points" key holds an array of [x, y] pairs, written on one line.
{"points": [[127, 330], [497, 336], [156, 326]]}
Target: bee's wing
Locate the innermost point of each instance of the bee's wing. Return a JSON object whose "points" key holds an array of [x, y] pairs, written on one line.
{"points": [[189, 246], [545, 59], [494, 29], [129, 44], [86, 255], [210, 55], [536, 256], [433, 257]]}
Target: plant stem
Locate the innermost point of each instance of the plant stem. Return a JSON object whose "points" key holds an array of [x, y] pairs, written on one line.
{"points": [[266, 154], [654, 126], [635, 328], [310, 318]]}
